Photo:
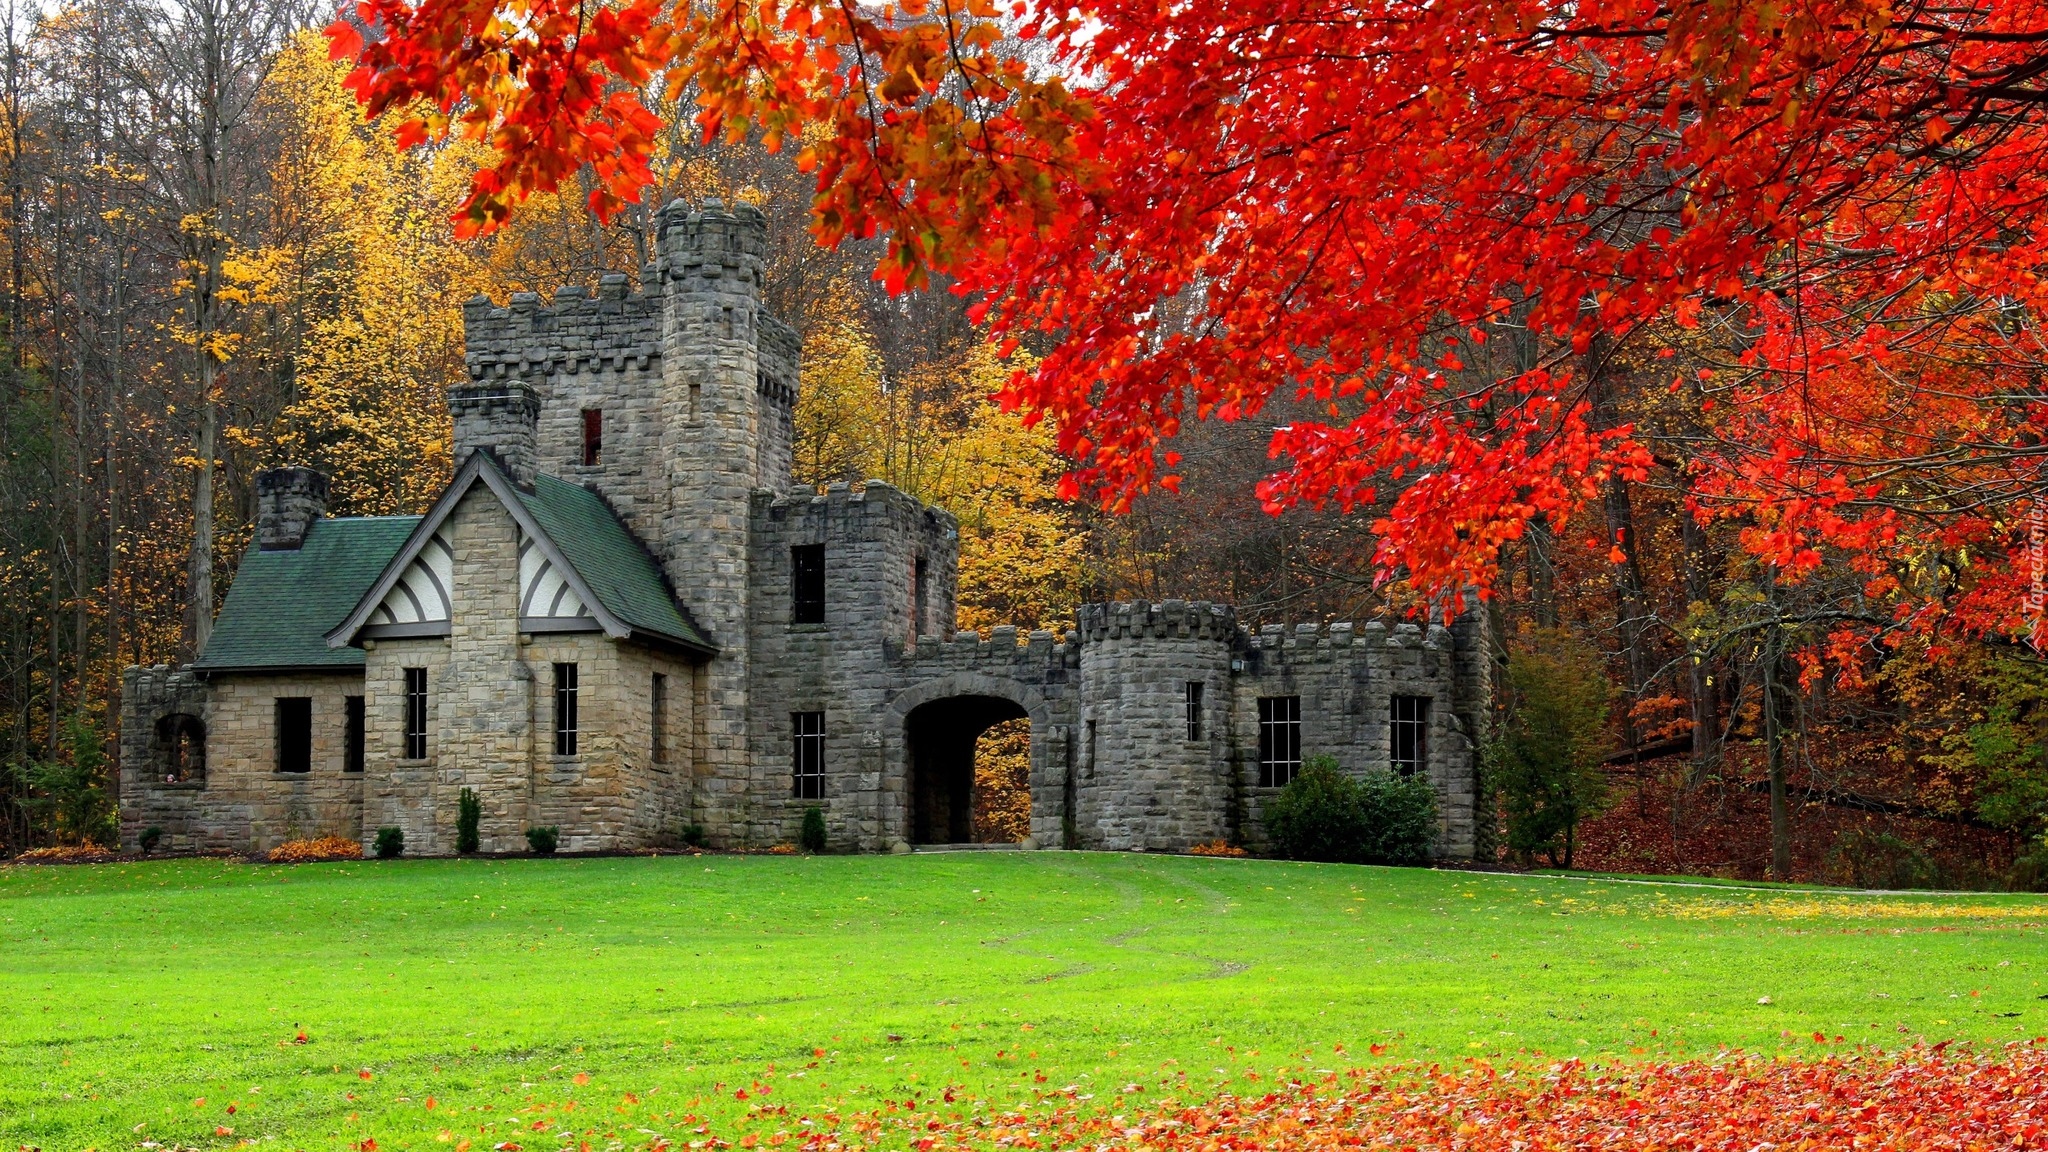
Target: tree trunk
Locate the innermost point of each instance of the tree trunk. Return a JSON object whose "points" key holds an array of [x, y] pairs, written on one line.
{"points": [[1774, 745], [1706, 695]]}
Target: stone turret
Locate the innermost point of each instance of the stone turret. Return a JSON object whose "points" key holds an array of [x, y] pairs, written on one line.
{"points": [[1155, 681], [712, 404], [288, 502]]}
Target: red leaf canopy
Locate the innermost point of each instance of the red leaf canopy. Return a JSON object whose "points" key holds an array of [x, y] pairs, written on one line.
{"points": [[1206, 204]]}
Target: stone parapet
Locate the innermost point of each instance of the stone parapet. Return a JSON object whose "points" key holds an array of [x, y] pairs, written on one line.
{"points": [[1179, 619], [616, 329]]}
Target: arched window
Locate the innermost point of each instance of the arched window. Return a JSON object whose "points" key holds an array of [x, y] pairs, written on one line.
{"points": [[181, 749]]}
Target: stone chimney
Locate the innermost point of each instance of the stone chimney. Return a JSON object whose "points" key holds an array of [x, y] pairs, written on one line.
{"points": [[288, 501], [497, 417]]}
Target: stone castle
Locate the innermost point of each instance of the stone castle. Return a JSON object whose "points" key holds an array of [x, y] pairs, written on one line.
{"points": [[622, 619]]}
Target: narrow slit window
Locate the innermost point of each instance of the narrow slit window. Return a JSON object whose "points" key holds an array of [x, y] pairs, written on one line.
{"points": [[807, 584], [352, 734], [920, 596], [415, 713], [294, 734], [657, 699], [1194, 702], [593, 437], [565, 710], [1410, 734], [1279, 740], [807, 766]]}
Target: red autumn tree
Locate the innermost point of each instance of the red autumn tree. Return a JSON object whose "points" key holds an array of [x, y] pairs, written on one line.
{"points": [[1834, 207]]}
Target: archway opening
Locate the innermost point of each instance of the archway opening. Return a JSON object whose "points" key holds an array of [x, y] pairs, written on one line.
{"points": [[181, 748], [970, 771]]}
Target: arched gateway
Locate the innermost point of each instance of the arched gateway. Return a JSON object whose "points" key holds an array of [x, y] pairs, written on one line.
{"points": [[937, 724]]}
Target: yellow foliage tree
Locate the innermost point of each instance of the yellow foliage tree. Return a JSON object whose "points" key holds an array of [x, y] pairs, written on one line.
{"points": [[841, 411], [374, 282]]}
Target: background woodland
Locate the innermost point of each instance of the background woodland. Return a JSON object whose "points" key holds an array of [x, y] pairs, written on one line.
{"points": [[215, 265]]}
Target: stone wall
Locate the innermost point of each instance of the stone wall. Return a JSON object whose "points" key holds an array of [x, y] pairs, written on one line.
{"points": [[873, 538], [1346, 678], [242, 803], [1140, 781], [149, 697]]}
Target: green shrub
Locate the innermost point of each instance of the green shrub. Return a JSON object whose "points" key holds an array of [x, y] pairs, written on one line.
{"points": [[1326, 815], [812, 836], [1546, 757], [543, 840], [693, 835], [1400, 817], [149, 839], [390, 843], [2030, 872], [469, 816], [69, 801], [1867, 859]]}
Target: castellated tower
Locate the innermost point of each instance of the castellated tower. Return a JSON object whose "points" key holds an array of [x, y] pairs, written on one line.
{"points": [[715, 416]]}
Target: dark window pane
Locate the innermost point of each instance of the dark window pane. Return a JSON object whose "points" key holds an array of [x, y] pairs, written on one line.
{"points": [[294, 734], [1408, 731], [657, 699], [807, 764], [1194, 699], [565, 710], [352, 734], [1279, 740], [807, 584], [593, 436], [415, 713]]}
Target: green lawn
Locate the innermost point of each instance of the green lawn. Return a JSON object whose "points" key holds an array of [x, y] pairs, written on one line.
{"points": [[130, 992]]}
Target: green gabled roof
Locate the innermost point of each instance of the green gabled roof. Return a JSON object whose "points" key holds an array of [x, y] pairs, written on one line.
{"points": [[282, 603], [610, 560]]}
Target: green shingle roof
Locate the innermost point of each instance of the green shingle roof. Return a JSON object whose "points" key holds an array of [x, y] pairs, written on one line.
{"points": [[609, 559], [282, 603]]}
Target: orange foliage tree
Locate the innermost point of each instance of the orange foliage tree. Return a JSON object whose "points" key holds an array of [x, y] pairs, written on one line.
{"points": [[1834, 204]]}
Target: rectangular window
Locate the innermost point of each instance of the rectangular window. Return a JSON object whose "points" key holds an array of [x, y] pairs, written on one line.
{"points": [[593, 436], [294, 734], [415, 713], [657, 699], [1409, 730], [565, 709], [1279, 740], [920, 596], [807, 584], [352, 734], [807, 765], [1194, 697]]}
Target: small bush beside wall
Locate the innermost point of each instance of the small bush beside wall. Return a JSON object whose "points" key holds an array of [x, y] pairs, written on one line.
{"points": [[1328, 816], [812, 837], [469, 817], [543, 840], [389, 844]]}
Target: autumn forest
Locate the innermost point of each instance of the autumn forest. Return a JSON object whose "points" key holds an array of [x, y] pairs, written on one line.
{"points": [[1737, 450]]}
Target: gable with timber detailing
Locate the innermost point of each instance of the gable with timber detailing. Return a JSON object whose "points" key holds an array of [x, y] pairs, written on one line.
{"points": [[419, 604], [545, 593]]}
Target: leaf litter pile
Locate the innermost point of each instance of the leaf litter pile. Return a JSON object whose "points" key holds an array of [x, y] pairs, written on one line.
{"points": [[1921, 1098]]}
